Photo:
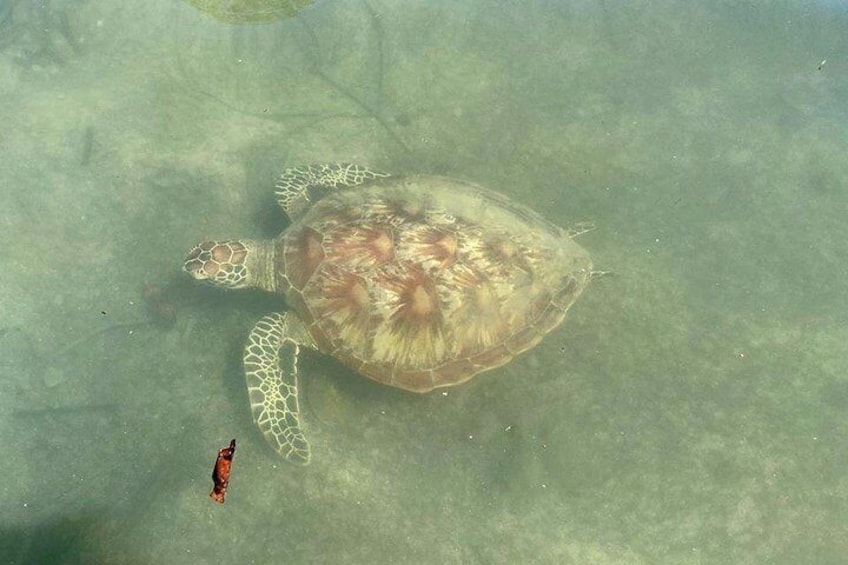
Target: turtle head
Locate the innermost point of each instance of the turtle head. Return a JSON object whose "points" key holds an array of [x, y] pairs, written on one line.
{"points": [[234, 263]]}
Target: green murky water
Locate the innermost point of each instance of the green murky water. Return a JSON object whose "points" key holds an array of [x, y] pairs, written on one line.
{"points": [[691, 410]]}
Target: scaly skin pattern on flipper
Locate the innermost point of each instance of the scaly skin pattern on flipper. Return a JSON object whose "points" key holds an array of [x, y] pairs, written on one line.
{"points": [[293, 186], [270, 368]]}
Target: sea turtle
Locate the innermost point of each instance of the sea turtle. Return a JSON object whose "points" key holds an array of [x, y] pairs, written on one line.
{"points": [[416, 282]]}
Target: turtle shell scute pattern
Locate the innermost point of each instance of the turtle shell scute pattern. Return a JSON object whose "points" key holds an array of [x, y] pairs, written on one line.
{"points": [[426, 282]]}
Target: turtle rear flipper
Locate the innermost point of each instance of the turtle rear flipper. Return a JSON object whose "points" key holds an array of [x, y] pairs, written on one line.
{"points": [[270, 367]]}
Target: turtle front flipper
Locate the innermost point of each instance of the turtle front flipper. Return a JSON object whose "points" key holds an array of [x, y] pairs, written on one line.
{"points": [[298, 187], [270, 367]]}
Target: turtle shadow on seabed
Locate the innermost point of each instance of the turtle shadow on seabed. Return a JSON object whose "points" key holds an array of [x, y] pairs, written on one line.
{"points": [[73, 526], [57, 540], [305, 55]]}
